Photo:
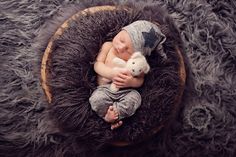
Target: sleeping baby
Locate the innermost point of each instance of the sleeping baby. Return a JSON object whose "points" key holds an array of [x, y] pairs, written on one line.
{"points": [[115, 97]]}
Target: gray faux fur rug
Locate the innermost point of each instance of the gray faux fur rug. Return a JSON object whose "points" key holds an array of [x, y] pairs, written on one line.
{"points": [[206, 125]]}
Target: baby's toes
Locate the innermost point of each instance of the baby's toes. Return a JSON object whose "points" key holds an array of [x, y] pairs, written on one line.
{"points": [[115, 110], [120, 123], [113, 126], [116, 117], [116, 113], [111, 108], [116, 125]]}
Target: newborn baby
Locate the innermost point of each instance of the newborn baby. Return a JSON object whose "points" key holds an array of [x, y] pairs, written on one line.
{"points": [[142, 36]]}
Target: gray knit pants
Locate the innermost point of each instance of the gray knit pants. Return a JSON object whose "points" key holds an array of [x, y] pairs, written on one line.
{"points": [[125, 100]]}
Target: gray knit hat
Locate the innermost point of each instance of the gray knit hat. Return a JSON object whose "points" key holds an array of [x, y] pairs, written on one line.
{"points": [[145, 36]]}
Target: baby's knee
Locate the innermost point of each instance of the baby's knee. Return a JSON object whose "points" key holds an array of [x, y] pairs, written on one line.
{"points": [[134, 98], [128, 106], [124, 109], [99, 99], [96, 97], [93, 103]]}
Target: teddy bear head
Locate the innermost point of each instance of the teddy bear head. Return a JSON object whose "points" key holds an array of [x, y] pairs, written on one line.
{"points": [[137, 64]]}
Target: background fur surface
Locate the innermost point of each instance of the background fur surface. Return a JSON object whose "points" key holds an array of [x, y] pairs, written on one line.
{"points": [[206, 125]]}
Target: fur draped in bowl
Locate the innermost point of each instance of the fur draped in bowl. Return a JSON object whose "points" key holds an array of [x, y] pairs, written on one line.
{"points": [[72, 79]]}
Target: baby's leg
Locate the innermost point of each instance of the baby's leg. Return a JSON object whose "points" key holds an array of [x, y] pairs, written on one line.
{"points": [[128, 104], [100, 102], [126, 107]]}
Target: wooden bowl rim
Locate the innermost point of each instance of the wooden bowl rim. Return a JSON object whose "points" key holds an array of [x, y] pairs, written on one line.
{"points": [[60, 31]]}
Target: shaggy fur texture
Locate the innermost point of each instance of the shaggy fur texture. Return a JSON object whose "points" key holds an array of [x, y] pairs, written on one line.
{"points": [[72, 78], [205, 126]]}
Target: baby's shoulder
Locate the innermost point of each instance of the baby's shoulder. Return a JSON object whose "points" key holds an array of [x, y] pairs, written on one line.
{"points": [[104, 51], [107, 45]]}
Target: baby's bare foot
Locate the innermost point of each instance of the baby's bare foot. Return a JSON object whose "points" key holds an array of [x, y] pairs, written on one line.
{"points": [[111, 115], [116, 125]]}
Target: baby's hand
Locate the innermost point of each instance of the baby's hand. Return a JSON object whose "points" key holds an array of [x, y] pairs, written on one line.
{"points": [[117, 71], [123, 79]]}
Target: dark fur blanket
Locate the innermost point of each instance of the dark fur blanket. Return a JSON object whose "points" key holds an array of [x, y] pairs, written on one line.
{"points": [[205, 126], [72, 78]]}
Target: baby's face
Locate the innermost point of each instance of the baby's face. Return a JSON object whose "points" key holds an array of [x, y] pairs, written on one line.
{"points": [[123, 45]]}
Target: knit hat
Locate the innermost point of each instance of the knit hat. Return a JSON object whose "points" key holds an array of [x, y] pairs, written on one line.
{"points": [[145, 36]]}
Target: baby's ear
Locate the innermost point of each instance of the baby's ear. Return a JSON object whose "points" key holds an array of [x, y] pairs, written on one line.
{"points": [[136, 55], [146, 68]]}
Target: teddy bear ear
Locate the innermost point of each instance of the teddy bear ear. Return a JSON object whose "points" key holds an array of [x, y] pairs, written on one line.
{"points": [[136, 55], [146, 69]]}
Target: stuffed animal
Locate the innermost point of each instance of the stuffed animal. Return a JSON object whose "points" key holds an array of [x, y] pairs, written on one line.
{"points": [[136, 65]]}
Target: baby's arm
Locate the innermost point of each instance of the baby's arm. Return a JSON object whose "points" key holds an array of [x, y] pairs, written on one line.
{"points": [[137, 81], [99, 66], [125, 80]]}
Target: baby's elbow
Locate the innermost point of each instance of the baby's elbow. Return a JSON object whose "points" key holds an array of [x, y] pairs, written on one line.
{"points": [[141, 82], [138, 83], [96, 67]]}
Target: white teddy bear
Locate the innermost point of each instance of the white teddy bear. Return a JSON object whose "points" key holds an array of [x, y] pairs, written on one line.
{"points": [[135, 65]]}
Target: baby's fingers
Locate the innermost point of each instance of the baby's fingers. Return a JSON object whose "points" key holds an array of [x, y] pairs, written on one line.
{"points": [[118, 79], [122, 76], [117, 83]]}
